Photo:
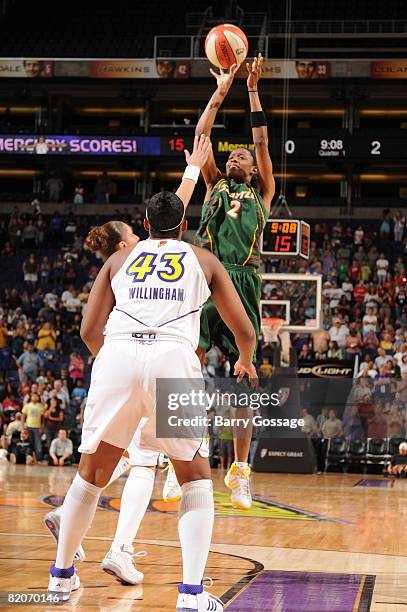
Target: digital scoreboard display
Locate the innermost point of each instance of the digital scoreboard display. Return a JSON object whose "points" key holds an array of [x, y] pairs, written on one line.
{"points": [[286, 238]]}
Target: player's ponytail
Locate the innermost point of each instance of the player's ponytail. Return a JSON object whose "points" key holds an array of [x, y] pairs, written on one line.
{"points": [[104, 239]]}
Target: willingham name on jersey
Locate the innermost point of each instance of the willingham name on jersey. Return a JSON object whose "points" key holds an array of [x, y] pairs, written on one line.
{"points": [[156, 293]]}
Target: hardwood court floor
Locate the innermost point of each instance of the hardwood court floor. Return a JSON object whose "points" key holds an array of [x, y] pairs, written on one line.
{"points": [[317, 543]]}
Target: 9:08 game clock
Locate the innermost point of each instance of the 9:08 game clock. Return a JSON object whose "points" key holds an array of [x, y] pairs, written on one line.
{"points": [[286, 238]]}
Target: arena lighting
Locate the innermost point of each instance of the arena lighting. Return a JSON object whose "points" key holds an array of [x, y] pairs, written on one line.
{"points": [[334, 112], [384, 178], [193, 111], [22, 110], [116, 173], [382, 112], [21, 173], [90, 110]]}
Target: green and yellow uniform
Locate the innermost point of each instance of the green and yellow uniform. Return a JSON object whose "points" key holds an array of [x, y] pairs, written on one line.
{"points": [[232, 222]]}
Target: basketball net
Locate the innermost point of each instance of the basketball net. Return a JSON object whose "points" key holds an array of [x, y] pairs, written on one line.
{"points": [[272, 333], [270, 326]]}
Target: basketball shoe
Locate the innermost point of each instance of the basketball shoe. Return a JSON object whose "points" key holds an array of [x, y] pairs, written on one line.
{"points": [[193, 597], [52, 522], [172, 492], [238, 481], [119, 562], [62, 582]]}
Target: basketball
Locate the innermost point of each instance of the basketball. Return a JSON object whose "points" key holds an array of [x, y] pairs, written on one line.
{"points": [[226, 45]]}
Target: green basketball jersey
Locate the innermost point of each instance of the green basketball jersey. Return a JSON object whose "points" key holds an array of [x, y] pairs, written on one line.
{"points": [[232, 221]]}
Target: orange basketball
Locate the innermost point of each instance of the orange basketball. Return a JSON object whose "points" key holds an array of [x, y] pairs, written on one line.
{"points": [[226, 45]]}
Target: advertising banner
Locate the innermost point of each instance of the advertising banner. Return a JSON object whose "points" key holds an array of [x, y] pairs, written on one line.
{"points": [[26, 68], [80, 145], [389, 69]]}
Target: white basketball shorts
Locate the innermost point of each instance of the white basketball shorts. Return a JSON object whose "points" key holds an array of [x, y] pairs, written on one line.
{"points": [[122, 392]]}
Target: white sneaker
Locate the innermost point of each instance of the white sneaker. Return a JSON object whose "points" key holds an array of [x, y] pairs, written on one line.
{"points": [[61, 588], [52, 521], [172, 492], [203, 602], [119, 562], [238, 480]]}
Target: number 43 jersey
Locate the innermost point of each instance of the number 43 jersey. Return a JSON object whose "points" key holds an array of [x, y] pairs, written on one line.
{"points": [[159, 291]]}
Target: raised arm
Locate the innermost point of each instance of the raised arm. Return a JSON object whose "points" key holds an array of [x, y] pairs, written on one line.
{"points": [[195, 162], [224, 80], [98, 308], [260, 133]]}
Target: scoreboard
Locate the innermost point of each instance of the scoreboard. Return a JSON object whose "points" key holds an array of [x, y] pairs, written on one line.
{"points": [[286, 238], [332, 145]]}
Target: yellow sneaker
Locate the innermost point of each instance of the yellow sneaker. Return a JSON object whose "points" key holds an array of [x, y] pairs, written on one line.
{"points": [[238, 481], [172, 492]]}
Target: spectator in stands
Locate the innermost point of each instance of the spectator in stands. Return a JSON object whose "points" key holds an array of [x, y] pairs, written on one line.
{"points": [[335, 352], [53, 418], [101, 189], [46, 337], [54, 186], [79, 391], [338, 333], [62, 393], [399, 226], [309, 428], [353, 345], [266, 369], [76, 368], [382, 266], [13, 429], [320, 341], [29, 363], [78, 197], [332, 427], [377, 423], [398, 462], [61, 449], [45, 271], [22, 451], [30, 269], [321, 418], [369, 321], [33, 413], [29, 236], [353, 426]]}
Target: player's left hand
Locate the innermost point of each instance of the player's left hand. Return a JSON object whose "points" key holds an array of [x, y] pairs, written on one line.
{"points": [[242, 369], [200, 152], [254, 69]]}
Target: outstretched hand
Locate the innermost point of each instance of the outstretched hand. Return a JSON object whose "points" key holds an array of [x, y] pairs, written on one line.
{"points": [[225, 78], [200, 152], [241, 370], [254, 69]]}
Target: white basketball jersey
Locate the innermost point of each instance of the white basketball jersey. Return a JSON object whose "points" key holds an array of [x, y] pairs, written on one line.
{"points": [[160, 289]]}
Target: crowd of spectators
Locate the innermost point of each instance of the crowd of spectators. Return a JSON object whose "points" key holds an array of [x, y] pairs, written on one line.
{"points": [[45, 368]]}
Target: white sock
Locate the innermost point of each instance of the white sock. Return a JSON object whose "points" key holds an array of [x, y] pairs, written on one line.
{"points": [[135, 499], [77, 514], [195, 526]]}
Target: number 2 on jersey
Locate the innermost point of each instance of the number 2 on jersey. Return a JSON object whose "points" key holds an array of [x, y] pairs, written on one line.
{"points": [[144, 265]]}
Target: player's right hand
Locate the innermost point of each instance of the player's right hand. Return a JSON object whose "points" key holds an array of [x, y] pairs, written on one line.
{"points": [[225, 78], [241, 369], [200, 152]]}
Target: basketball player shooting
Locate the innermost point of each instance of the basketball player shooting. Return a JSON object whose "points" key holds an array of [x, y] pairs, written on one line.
{"points": [[142, 329], [237, 205]]}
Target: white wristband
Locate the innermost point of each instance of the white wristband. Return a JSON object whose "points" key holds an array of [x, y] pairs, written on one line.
{"points": [[192, 173]]}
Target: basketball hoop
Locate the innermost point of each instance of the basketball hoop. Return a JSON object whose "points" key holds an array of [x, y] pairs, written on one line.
{"points": [[270, 326]]}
